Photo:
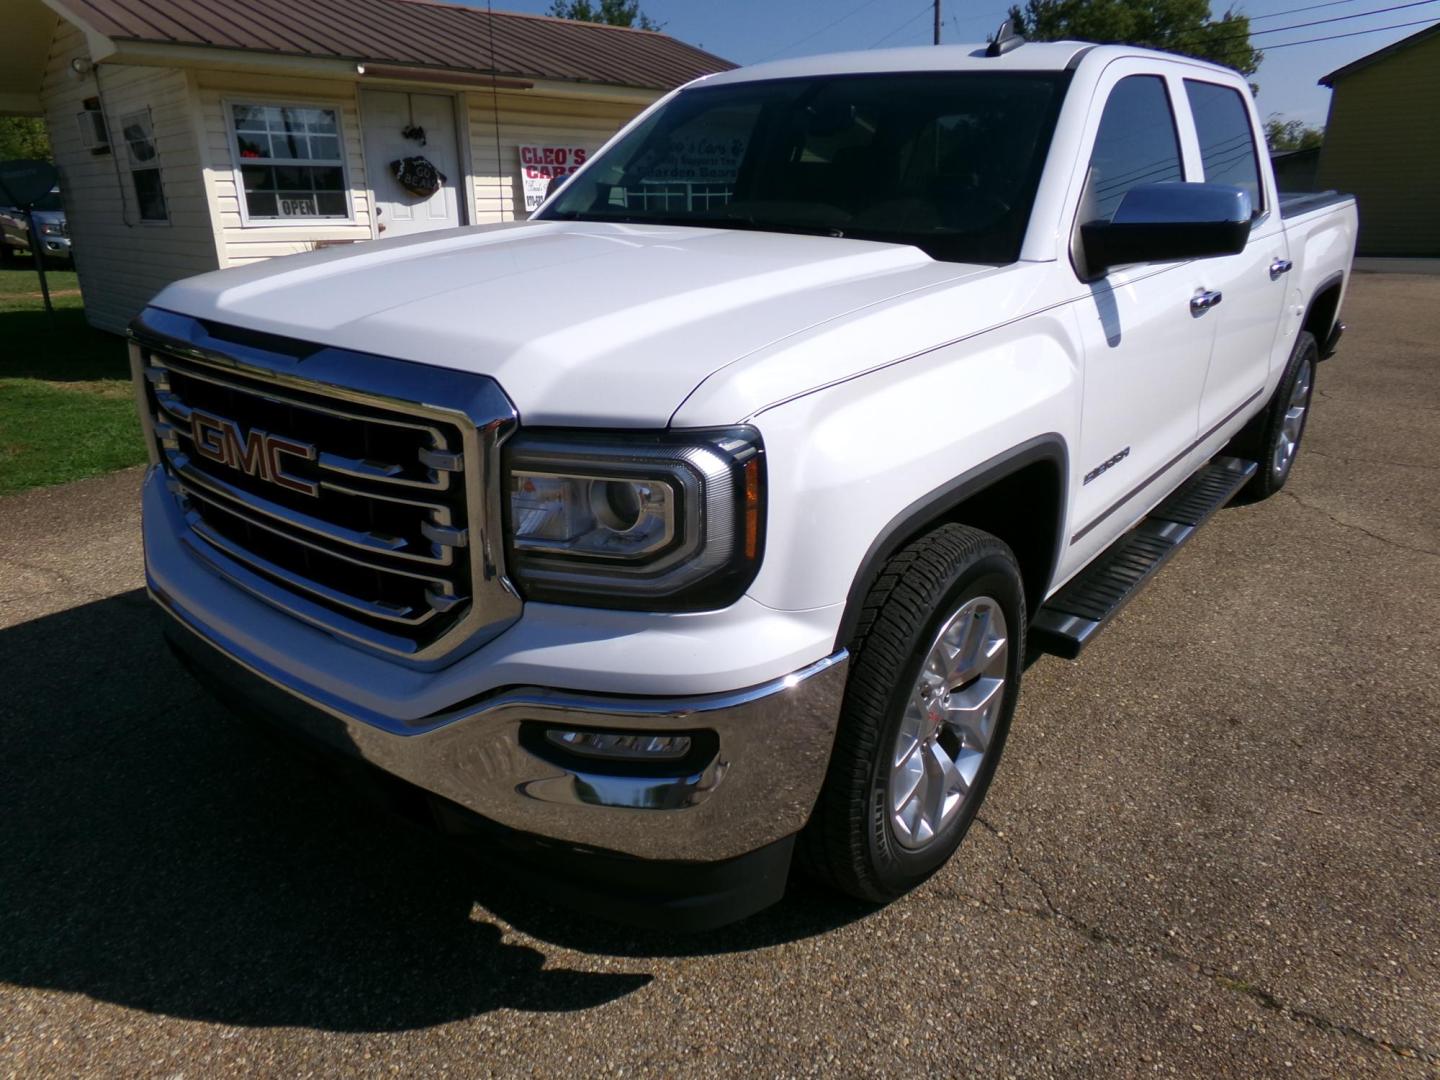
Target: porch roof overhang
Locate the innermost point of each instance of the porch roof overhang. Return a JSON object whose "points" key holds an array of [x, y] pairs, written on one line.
{"points": [[24, 48], [427, 38], [209, 58]]}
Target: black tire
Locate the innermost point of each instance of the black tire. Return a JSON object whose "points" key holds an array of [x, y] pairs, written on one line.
{"points": [[850, 842], [1261, 439]]}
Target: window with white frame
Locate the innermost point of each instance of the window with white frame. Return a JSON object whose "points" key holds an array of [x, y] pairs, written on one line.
{"points": [[144, 157], [290, 162]]}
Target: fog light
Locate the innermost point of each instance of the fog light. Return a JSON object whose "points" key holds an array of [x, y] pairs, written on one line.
{"points": [[615, 744]]}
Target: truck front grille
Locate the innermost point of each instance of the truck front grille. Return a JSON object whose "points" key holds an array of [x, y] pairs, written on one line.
{"points": [[306, 477]]}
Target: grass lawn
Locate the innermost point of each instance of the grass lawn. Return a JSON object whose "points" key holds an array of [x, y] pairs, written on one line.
{"points": [[66, 409]]}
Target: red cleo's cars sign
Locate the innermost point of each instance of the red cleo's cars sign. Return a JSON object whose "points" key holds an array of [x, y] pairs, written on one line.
{"points": [[540, 164]]}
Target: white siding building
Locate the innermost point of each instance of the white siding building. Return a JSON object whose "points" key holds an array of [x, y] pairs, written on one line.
{"points": [[190, 137]]}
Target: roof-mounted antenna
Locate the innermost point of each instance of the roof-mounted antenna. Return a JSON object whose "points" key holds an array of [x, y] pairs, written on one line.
{"points": [[1004, 40]]}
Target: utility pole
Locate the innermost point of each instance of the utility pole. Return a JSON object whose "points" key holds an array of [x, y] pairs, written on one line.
{"points": [[937, 22]]}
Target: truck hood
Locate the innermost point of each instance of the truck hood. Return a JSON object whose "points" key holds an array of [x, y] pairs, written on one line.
{"points": [[580, 322]]}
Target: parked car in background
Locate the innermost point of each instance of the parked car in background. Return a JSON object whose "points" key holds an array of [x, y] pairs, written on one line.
{"points": [[50, 222]]}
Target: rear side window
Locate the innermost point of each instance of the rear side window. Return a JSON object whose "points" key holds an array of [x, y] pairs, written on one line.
{"points": [[1227, 141], [1137, 144]]}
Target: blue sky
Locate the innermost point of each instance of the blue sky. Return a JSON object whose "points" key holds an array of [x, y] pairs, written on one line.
{"points": [[748, 31]]}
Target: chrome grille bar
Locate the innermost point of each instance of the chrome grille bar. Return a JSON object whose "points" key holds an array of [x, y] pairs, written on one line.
{"points": [[181, 466], [438, 461], [381, 523], [373, 609], [441, 586], [164, 364], [297, 604]]}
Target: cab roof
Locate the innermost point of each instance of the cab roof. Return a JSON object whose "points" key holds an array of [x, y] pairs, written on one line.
{"points": [[971, 57]]}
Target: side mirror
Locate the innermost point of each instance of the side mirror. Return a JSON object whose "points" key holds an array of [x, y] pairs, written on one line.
{"points": [[1169, 221]]}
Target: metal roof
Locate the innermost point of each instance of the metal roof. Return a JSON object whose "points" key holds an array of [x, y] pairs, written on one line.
{"points": [[423, 33], [1378, 54]]}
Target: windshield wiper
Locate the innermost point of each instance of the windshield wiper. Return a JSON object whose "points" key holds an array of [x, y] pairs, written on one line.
{"points": [[724, 221], [763, 225]]}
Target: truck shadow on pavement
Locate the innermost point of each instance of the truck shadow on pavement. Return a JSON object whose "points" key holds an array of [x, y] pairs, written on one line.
{"points": [[155, 854]]}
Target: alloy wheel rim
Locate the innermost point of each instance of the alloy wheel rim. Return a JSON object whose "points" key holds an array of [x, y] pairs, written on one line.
{"points": [[1294, 422], [949, 722]]}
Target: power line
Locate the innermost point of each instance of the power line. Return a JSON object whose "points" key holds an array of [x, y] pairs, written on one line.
{"points": [[991, 17], [1296, 11], [1355, 33], [1178, 40], [903, 26], [1197, 36], [1245, 35], [816, 33], [1342, 18]]}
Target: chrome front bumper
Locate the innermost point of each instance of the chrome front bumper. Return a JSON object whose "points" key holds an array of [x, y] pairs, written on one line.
{"points": [[771, 749]]}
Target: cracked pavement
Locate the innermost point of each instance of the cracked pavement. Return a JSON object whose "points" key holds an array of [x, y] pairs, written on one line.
{"points": [[1211, 847]]}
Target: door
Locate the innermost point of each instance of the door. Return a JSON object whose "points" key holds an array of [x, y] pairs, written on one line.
{"points": [[385, 116], [1146, 350], [1253, 283]]}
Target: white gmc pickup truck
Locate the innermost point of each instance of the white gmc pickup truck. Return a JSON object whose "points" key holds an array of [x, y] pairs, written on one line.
{"points": [[708, 519]]}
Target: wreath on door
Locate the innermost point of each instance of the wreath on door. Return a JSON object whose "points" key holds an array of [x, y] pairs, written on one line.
{"points": [[418, 176]]}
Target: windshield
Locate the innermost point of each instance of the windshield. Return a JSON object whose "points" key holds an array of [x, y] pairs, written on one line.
{"points": [[49, 201], [946, 162]]}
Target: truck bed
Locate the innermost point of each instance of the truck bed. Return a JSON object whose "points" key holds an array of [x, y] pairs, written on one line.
{"points": [[1302, 202]]}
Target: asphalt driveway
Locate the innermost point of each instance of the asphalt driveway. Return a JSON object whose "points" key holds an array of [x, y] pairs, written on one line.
{"points": [[1211, 848]]}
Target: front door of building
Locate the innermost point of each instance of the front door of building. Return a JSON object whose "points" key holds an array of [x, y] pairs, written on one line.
{"points": [[386, 116]]}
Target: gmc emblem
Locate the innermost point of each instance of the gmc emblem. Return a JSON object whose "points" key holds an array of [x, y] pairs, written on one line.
{"points": [[256, 454]]}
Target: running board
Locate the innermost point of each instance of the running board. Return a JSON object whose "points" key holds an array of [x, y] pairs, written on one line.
{"points": [[1068, 620]]}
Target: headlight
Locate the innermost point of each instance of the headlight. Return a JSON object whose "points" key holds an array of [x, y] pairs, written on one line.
{"points": [[669, 521], [50, 228]]}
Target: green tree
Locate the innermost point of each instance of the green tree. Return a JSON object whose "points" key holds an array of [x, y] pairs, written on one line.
{"points": [[1181, 26], [613, 12], [23, 137], [1292, 134]]}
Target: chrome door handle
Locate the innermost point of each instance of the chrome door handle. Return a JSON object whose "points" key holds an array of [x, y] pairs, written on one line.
{"points": [[1280, 266], [1205, 300]]}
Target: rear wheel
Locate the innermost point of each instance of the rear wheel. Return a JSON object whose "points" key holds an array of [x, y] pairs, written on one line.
{"points": [[927, 708], [1273, 439]]}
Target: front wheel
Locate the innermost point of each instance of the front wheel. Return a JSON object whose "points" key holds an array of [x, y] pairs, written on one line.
{"points": [[927, 708]]}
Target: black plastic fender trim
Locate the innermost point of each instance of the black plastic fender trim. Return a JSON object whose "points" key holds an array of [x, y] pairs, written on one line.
{"points": [[1332, 342], [932, 508], [1331, 335]]}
